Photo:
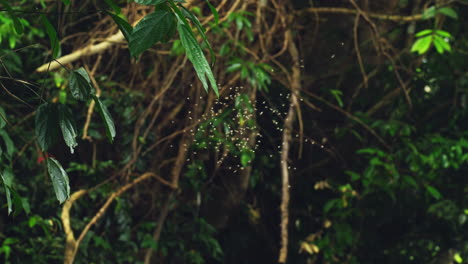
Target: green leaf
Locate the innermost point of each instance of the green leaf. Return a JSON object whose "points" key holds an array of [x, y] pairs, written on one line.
{"points": [[434, 192], [201, 31], [246, 157], [233, 67], [19, 28], [7, 177], [10, 147], [213, 11], [441, 45], [424, 32], [429, 13], [443, 33], [66, 2], [150, 2], [59, 179], [123, 25], [444, 44], [67, 125], [330, 204], [80, 85], [438, 46], [157, 26], [410, 180], [47, 125], [354, 176], [3, 120], [107, 118], [422, 45], [196, 56], [50, 30], [114, 6], [457, 258], [448, 11]]}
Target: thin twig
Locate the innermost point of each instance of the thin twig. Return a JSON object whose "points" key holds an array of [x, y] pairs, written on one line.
{"points": [[339, 10]]}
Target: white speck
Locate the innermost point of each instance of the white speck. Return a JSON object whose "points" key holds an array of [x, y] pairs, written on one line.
{"points": [[427, 89]]}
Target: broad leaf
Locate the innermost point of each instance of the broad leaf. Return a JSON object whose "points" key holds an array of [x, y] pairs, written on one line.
{"points": [[47, 125], [10, 147], [422, 44], [59, 179], [67, 125], [440, 42], [107, 118], [196, 56], [50, 30], [123, 25], [80, 84], [7, 177], [448, 12], [157, 26], [438, 47], [150, 2]]}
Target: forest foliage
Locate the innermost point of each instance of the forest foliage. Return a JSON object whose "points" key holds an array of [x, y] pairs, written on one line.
{"points": [[270, 131]]}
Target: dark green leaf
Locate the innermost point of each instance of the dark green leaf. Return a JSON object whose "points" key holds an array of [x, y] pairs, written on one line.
{"points": [[7, 177], [201, 31], [59, 179], [213, 11], [10, 147], [123, 25], [50, 30], [434, 192], [19, 202], [107, 118], [8, 191], [157, 26], [448, 12], [410, 180], [150, 2], [196, 56], [3, 120], [114, 6], [47, 125], [80, 84], [67, 125], [25, 205], [330, 204], [66, 2]]}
